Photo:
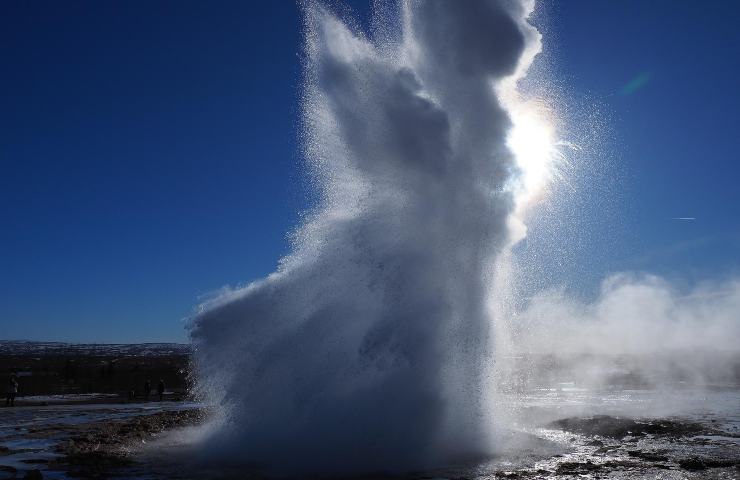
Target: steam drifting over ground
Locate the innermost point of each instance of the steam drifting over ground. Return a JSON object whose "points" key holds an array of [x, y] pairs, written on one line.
{"points": [[370, 347], [634, 314], [663, 336]]}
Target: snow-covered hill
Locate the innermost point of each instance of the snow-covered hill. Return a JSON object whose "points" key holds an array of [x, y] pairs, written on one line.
{"points": [[24, 347]]}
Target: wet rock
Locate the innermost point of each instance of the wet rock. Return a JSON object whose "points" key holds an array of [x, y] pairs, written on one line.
{"points": [[99, 449], [576, 468], [520, 474], [627, 429], [589, 467], [595, 443], [650, 456], [698, 463], [604, 450], [692, 464]]}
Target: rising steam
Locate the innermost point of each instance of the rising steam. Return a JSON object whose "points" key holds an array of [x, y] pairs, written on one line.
{"points": [[659, 335], [634, 314], [371, 346]]}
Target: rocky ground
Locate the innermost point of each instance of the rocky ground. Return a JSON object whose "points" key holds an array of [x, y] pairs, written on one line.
{"points": [[612, 447], [95, 450], [606, 447], [75, 418]]}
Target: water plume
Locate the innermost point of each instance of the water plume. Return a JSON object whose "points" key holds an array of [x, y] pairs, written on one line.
{"points": [[370, 348]]}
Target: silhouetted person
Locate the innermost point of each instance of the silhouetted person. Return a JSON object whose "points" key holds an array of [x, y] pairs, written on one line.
{"points": [[12, 390], [147, 389], [160, 389]]}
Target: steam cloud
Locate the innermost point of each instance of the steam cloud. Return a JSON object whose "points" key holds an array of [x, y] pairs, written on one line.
{"points": [[641, 330], [370, 347], [634, 314]]}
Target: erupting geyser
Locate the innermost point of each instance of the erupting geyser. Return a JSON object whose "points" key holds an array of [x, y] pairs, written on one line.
{"points": [[371, 346]]}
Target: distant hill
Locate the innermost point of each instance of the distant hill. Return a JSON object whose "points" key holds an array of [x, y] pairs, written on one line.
{"points": [[26, 347], [59, 368]]}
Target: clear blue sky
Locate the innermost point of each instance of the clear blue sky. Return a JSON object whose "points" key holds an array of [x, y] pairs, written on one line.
{"points": [[148, 152]]}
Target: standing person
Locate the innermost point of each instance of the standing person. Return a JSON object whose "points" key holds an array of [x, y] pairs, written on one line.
{"points": [[12, 391], [147, 389], [160, 389]]}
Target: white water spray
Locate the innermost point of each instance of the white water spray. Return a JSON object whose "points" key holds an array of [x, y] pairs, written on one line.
{"points": [[371, 346]]}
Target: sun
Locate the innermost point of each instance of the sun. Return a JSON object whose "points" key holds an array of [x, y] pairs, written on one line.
{"points": [[533, 142]]}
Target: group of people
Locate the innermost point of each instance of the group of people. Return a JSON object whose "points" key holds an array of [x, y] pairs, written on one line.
{"points": [[11, 390], [148, 389]]}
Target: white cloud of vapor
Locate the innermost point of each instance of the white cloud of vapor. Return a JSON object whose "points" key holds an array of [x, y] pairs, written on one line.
{"points": [[640, 329], [634, 314]]}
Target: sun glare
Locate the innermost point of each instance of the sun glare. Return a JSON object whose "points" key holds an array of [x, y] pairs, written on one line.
{"points": [[533, 142]]}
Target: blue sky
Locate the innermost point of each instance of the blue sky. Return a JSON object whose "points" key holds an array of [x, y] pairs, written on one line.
{"points": [[149, 152]]}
